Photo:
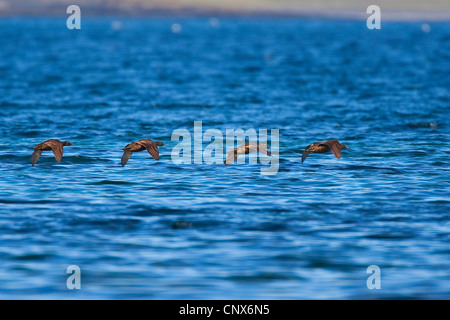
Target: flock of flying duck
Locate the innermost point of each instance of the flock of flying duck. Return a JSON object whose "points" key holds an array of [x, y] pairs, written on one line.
{"points": [[151, 146]]}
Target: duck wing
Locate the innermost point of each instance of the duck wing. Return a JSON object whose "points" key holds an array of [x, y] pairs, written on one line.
{"points": [[262, 149], [35, 156], [57, 151], [249, 148], [152, 149], [334, 146], [125, 157], [231, 157], [304, 155]]}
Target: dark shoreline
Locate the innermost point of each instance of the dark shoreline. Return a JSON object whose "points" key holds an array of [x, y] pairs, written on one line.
{"points": [[192, 12]]}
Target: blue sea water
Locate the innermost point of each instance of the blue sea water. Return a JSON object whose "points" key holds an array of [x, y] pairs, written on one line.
{"points": [[158, 230]]}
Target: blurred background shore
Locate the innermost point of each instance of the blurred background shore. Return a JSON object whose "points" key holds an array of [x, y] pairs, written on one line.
{"points": [[400, 10]]}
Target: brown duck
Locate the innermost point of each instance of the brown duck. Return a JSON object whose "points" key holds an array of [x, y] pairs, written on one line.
{"points": [[320, 147], [246, 148], [141, 145], [54, 145]]}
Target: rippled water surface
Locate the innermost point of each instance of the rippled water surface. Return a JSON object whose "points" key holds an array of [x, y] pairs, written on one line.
{"points": [[158, 230]]}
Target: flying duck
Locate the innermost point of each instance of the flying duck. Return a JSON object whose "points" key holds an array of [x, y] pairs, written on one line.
{"points": [[54, 145], [320, 147], [246, 148], [141, 145]]}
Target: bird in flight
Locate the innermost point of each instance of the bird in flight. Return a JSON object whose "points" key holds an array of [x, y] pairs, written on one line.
{"points": [[320, 147], [141, 145], [54, 145], [246, 148]]}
